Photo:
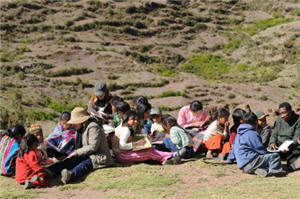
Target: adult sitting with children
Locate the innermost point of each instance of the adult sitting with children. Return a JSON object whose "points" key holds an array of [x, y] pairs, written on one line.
{"points": [[91, 149], [79, 144], [250, 153], [287, 128]]}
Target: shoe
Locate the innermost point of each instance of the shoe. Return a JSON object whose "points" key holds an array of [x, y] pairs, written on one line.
{"points": [[174, 160], [277, 173], [209, 156], [65, 176], [261, 173], [295, 165], [181, 153], [49, 174], [29, 183]]}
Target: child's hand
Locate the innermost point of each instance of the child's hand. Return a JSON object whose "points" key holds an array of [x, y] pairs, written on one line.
{"points": [[150, 137], [42, 179], [71, 155], [227, 124], [298, 140], [139, 143]]}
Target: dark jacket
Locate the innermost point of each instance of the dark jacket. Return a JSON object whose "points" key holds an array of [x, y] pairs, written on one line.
{"points": [[247, 146], [265, 134], [283, 130]]}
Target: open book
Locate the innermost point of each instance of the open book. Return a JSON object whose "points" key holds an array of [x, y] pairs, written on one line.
{"points": [[147, 144], [284, 146]]}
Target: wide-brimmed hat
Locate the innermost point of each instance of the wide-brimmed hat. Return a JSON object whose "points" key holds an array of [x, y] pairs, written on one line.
{"points": [[100, 88], [261, 115], [78, 116]]}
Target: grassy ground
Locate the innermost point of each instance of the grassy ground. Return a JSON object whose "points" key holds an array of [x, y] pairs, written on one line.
{"points": [[192, 179]]}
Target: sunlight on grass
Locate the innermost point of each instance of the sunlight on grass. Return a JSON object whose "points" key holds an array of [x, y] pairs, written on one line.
{"points": [[255, 188], [266, 23], [133, 178], [10, 189], [206, 65]]}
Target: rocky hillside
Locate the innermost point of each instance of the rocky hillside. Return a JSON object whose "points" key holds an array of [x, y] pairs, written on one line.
{"points": [[220, 52]]}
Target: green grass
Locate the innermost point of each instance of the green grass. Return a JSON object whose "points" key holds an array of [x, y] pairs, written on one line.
{"points": [[156, 181], [254, 188], [266, 23], [136, 178], [208, 66], [169, 93], [61, 106], [10, 189], [69, 72], [164, 71]]}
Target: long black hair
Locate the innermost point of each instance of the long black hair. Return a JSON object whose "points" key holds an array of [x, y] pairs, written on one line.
{"points": [[65, 116], [222, 112], [16, 131], [237, 115], [142, 106], [169, 120], [27, 142], [127, 115]]}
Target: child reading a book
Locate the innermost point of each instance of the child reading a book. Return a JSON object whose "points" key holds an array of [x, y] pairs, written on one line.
{"points": [[124, 146], [177, 140], [28, 168], [61, 142]]}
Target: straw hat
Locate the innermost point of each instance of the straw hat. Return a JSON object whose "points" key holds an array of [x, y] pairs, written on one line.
{"points": [[78, 116]]}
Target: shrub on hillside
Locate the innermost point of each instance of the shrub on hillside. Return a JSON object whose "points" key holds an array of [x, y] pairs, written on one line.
{"points": [[69, 72]]}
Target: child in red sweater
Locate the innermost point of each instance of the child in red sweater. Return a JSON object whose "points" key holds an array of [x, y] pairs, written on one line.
{"points": [[28, 170]]}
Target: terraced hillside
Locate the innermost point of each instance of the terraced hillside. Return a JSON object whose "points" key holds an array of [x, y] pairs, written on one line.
{"points": [[220, 52]]}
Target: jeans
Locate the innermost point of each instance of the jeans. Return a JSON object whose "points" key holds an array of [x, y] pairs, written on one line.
{"points": [[78, 166], [269, 162], [170, 145]]}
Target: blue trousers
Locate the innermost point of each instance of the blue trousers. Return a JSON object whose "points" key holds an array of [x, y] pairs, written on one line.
{"points": [[268, 162], [78, 166], [171, 146]]}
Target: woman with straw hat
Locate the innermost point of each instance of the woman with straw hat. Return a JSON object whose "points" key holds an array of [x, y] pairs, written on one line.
{"points": [[91, 149]]}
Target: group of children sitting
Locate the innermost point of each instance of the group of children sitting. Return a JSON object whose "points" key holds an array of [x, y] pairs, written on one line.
{"points": [[110, 130]]}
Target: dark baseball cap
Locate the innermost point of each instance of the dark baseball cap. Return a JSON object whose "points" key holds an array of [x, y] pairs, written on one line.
{"points": [[100, 88], [261, 114]]}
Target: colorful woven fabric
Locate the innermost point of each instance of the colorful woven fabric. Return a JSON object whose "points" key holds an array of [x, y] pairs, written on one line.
{"points": [[9, 148]]}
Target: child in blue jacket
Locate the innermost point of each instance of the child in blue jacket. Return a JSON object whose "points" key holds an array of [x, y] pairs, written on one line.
{"points": [[250, 154]]}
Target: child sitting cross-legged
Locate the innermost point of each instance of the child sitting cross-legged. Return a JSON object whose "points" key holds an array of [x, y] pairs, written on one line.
{"points": [[28, 169], [177, 140]]}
